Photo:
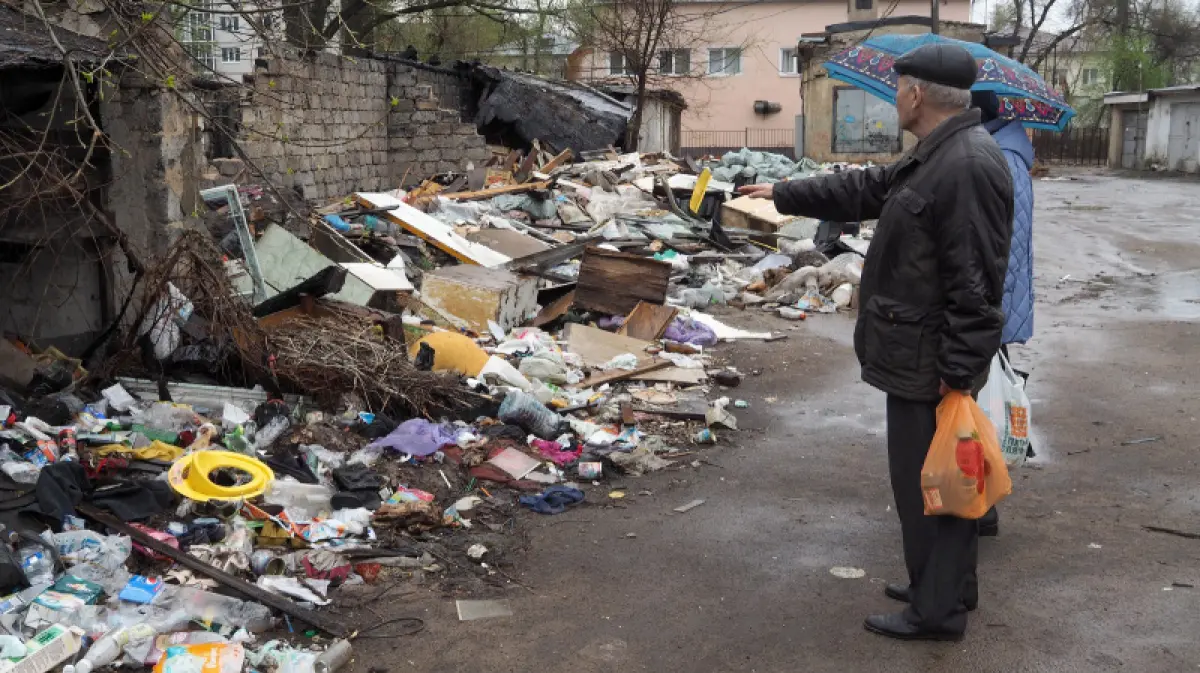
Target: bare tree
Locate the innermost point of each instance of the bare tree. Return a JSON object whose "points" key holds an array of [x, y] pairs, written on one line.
{"points": [[649, 43]]}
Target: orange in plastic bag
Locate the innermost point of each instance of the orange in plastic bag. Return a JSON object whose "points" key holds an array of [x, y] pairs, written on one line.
{"points": [[964, 473]]}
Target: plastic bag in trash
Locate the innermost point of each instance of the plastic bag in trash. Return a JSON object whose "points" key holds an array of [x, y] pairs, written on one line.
{"points": [[526, 411], [418, 437], [688, 331]]}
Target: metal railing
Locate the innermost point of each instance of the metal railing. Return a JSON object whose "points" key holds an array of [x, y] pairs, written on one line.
{"points": [[701, 143]]}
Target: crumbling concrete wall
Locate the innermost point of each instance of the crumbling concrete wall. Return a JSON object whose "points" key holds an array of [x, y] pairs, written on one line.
{"points": [[328, 125]]}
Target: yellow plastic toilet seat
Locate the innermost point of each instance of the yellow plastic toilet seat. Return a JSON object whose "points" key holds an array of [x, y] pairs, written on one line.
{"points": [[189, 476]]}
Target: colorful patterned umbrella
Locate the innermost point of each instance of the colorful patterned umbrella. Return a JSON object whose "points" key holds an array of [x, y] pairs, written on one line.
{"points": [[1023, 94]]}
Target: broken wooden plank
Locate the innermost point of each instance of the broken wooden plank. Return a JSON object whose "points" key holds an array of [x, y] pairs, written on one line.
{"points": [[647, 321], [672, 414], [329, 625], [525, 170], [554, 310], [557, 161], [508, 242], [595, 347], [477, 178], [434, 230], [549, 258], [614, 282], [497, 191], [622, 374]]}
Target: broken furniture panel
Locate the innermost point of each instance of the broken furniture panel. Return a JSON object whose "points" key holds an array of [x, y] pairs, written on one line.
{"points": [[287, 261], [614, 282], [755, 214], [648, 321], [476, 295], [433, 230], [508, 242]]}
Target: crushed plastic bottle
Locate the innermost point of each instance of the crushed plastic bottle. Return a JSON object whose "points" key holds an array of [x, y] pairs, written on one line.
{"points": [[36, 563], [271, 432], [106, 650]]}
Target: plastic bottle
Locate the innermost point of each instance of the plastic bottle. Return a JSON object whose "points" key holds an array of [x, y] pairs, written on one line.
{"points": [[271, 432], [21, 470], [36, 563], [300, 500], [106, 650], [67, 445], [526, 411]]}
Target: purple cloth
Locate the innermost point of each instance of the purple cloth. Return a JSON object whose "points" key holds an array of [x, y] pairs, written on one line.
{"points": [[418, 437], [688, 331]]}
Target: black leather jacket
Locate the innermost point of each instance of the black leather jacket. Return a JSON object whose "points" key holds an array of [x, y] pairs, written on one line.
{"points": [[933, 280]]}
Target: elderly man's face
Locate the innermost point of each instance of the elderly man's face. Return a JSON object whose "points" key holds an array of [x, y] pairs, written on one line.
{"points": [[908, 102]]}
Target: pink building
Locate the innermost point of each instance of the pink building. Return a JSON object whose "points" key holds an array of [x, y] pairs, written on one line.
{"points": [[737, 65]]}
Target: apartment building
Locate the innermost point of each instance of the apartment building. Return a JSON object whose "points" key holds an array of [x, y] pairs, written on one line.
{"points": [[741, 81]]}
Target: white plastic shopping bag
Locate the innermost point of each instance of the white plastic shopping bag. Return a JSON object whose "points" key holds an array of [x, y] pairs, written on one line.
{"points": [[1004, 401]]}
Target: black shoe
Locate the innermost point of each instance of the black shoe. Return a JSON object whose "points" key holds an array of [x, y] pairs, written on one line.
{"points": [[896, 626], [989, 523], [903, 593], [898, 592]]}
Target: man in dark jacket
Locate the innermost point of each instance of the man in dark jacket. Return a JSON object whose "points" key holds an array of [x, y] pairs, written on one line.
{"points": [[930, 317]]}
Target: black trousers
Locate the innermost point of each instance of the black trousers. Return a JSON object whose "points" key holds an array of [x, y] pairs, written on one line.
{"points": [[939, 551]]}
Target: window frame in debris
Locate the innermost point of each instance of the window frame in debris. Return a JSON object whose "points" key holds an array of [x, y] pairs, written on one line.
{"points": [[784, 64], [669, 61], [862, 145], [725, 61], [618, 65], [228, 51]]}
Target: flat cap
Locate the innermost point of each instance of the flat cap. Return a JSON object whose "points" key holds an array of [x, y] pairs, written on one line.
{"points": [[946, 64]]}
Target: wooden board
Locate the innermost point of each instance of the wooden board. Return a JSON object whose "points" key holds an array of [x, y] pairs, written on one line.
{"points": [[614, 282], [754, 214], [434, 230], [622, 374], [489, 193], [557, 161], [554, 310], [596, 347], [648, 321], [508, 242]]}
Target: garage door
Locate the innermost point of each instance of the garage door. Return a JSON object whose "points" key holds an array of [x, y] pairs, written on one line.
{"points": [[1133, 135], [1184, 153]]}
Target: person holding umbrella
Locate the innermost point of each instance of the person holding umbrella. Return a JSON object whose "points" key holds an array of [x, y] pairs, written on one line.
{"points": [[1018, 283], [931, 316]]}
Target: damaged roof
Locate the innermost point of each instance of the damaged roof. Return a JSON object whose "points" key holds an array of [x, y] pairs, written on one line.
{"points": [[25, 42], [565, 114]]}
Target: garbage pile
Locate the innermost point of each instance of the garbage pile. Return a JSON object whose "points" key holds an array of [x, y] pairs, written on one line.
{"points": [[278, 417]]}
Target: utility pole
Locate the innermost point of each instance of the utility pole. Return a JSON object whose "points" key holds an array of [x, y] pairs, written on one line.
{"points": [[935, 12]]}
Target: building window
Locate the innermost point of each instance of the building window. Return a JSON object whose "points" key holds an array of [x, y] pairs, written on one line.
{"points": [[231, 24], [864, 124], [203, 54], [675, 62], [863, 4], [788, 62], [725, 61], [1091, 76], [618, 64], [231, 54]]}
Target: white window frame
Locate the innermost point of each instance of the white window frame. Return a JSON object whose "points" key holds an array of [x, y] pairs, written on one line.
{"points": [[226, 51], [674, 55], [230, 24], [725, 60], [1090, 80], [624, 70], [795, 62]]}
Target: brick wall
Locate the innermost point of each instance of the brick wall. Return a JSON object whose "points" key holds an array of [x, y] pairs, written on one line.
{"points": [[331, 126]]}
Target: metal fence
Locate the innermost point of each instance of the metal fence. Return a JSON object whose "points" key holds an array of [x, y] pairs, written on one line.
{"points": [[1074, 146], [701, 143]]}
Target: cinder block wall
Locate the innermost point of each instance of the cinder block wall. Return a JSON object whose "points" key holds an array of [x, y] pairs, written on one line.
{"points": [[331, 125]]}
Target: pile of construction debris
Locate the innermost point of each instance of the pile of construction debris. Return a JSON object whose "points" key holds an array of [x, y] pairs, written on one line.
{"points": [[384, 395]]}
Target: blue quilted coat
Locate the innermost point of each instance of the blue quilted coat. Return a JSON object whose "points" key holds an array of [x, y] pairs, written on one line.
{"points": [[1018, 284]]}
